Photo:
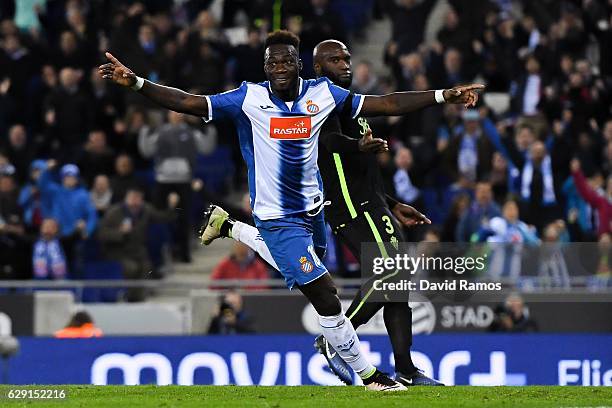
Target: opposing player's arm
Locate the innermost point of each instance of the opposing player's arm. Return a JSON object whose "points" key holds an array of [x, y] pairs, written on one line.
{"points": [[399, 103], [337, 142], [168, 97]]}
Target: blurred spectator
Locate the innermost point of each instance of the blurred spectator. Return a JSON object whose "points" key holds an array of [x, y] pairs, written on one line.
{"points": [[248, 58], [538, 187], [174, 147], [108, 103], [405, 190], [604, 263], [453, 34], [68, 113], [527, 91], [409, 18], [241, 264], [552, 266], [600, 201], [81, 325], [30, 199], [17, 65], [126, 135], [96, 157], [450, 70], [320, 22], [49, 260], [123, 233], [205, 70], [19, 151], [101, 194], [145, 54], [513, 316], [72, 207], [124, 178], [500, 177], [13, 247], [231, 317], [458, 207], [507, 236], [575, 204], [6, 104], [468, 155], [478, 213], [71, 53], [365, 80], [38, 93]]}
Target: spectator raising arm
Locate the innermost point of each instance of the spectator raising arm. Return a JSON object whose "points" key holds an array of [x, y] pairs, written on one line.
{"points": [[601, 203], [586, 192]]}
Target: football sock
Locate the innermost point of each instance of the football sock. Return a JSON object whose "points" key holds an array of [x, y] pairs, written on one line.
{"points": [[340, 334], [398, 321], [249, 235]]}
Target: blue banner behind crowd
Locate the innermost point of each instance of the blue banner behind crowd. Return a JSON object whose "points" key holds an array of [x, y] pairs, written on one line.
{"points": [[290, 359]]}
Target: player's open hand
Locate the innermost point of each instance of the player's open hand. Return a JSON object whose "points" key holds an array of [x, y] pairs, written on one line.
{"points": [[117, 72], [409, 215], [465, 94], [369, 144]]}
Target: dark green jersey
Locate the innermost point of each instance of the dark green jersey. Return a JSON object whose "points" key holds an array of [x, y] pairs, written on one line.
{"points": [[352, 180]]}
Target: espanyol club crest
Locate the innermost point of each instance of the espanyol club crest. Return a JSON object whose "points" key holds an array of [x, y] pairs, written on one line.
{"points": [[312, 107], [306, 265]]}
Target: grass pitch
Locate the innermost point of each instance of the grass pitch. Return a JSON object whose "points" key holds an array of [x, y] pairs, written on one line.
{"points": [[313, 396]]}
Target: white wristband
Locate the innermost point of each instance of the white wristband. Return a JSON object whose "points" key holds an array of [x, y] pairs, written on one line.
{"points": [[139, 83], [439, 95]]}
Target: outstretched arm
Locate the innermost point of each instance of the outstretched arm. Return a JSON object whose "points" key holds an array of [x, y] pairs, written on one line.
{"points": [[170, 98], [337, 142], [400, 103]]}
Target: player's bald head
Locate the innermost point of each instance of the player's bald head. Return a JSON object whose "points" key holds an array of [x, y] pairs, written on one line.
{"points": [[324, 48], [332, 59]]}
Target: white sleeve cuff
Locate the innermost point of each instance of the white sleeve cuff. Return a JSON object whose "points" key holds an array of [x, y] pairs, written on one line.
{"points": [[361, 99], [138, 85], [209, 118]]}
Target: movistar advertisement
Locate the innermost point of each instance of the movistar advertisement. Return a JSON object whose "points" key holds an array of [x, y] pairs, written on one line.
{"points": [[483, 360]]}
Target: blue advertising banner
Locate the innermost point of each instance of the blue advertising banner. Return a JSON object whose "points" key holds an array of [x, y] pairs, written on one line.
{"points": [[291, 360]]}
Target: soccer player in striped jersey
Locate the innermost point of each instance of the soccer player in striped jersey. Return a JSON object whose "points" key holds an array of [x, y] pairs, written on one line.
{"points": [[278, 123], [359, 211]]}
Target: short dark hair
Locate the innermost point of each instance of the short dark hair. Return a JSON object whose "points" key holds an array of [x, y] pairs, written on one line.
{"points": [[282, 37]]}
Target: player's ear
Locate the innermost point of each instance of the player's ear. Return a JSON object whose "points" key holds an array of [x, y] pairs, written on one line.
{"points": [[317, 69], [300, 65]]}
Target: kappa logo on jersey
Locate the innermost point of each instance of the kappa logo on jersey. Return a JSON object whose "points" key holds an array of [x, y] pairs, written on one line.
{"points": [[290, 128], [307, 266], [312, 107]]}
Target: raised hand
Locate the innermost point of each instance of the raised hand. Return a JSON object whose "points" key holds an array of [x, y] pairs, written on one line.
{"points": [[117, 72], [369, 144], [465, 94], [409, 215]]}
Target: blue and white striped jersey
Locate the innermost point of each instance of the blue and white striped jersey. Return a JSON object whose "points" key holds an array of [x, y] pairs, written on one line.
{"points": [[279, 141]]}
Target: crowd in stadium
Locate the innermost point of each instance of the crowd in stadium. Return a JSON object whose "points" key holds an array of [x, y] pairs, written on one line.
{"points": [[89, 171]]}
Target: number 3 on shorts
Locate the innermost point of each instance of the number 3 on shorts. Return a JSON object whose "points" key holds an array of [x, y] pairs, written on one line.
{"points": [[389, 227]]}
